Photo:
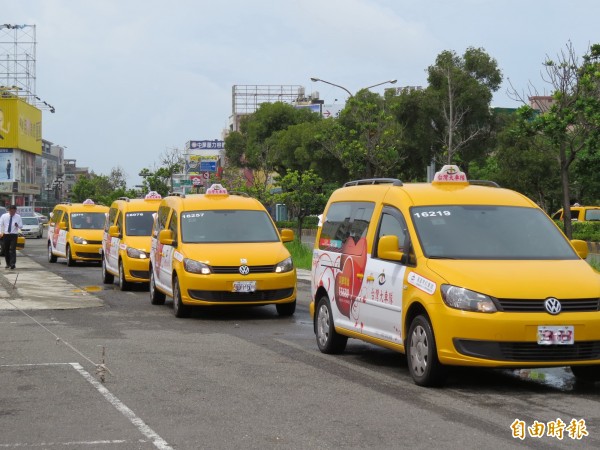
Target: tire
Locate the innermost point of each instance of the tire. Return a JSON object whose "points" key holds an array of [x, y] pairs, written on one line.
{"points": [[124, 285], [107, 278], [421, 354], [328, 340], [70, 260], [179, 309], [586, 374], [156, 297], [51, 257], [286, 309]]}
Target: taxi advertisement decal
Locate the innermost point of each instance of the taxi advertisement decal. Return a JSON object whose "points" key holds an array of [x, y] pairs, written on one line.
{"points": [[421, 283]]}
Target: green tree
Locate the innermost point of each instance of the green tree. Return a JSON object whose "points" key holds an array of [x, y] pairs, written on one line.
{"points": [[303, 194], [366, 140], [462, 87]]}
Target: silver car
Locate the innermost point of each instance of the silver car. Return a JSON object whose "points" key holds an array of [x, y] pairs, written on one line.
{"points": [[32, 227]]}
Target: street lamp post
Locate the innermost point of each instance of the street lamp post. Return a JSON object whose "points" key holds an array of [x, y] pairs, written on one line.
{"points": [[350, 93]]}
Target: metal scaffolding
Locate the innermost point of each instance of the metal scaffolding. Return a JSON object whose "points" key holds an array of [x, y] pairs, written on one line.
{"points": [[17, 61]]}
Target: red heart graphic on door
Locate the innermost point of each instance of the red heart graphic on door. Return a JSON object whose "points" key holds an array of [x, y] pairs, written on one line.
{"points": [[349, 280]]}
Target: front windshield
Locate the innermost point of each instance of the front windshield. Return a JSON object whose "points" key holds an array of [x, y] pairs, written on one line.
{"points": [[88, 221], [30, 221], [488, 232], [139, 223], [227, 226]]}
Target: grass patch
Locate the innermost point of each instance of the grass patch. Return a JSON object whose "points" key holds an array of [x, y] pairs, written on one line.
{"points": [[301, 254], [595, 264]]}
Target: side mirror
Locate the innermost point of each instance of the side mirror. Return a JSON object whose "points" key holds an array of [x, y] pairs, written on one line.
{"points": [[63, 226], [166, 237], [388, 248], [287, 235], [113, 231], [580, 247]]}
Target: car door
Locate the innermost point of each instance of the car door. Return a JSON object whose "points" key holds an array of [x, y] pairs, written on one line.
{"points": [[381, 305]]}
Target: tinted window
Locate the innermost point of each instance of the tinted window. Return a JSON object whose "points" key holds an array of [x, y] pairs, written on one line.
{"points": [[30, 221], [88, 221], [344, 220], [489, 232], [227, 226], [139, 223]]}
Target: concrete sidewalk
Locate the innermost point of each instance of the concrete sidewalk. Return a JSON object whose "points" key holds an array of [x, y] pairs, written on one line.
{"points": [[30, 286]]}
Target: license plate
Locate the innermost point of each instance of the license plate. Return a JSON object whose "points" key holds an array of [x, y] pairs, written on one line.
{"points": [[556, 335], [244, 286]]}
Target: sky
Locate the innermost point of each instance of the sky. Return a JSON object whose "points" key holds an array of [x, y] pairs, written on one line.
{"points": [[132, 79]]}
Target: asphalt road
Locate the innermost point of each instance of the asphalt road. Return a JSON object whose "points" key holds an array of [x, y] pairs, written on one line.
{"points": [[84, 365]]}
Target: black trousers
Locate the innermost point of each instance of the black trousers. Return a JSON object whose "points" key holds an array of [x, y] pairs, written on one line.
{"points": [[10, 249]]}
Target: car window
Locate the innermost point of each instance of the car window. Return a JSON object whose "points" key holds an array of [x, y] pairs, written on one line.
{"points": [[488, 232], [139, 223], [592, 214], [88, 221], [227, 226], [30, 221], [345, 220]]}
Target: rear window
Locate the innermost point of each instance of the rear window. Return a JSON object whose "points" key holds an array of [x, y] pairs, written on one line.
{"points": [[227, 226]]}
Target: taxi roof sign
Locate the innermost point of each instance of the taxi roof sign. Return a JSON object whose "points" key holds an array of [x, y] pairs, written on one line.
{"points": [[153, 195], [88, 201], [216, 189], [450, 174]]}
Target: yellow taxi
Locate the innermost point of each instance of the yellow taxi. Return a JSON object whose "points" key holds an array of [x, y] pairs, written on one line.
{"points": [[453, 273], [220, 249], [126, 240], [75, 231], [580, 213]]}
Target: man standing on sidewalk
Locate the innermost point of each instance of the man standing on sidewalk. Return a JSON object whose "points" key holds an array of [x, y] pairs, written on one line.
{"points": [[10, 224]]}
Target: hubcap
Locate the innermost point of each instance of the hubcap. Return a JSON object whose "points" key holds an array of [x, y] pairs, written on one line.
{"points": [[323, 325], [419, 350]]}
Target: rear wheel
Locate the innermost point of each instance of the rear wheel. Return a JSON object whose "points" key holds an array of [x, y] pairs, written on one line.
{"points": [[107, 278], [51, 257], [156, 297], [179, 309], [70, 260], [328, 340], [586, 374], [286, 309], [421, 353], [124, 285]]}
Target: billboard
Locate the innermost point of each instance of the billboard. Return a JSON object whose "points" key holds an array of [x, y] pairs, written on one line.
{"points": [[20, 125], [205, 145], [201, 163], [7, 164]]}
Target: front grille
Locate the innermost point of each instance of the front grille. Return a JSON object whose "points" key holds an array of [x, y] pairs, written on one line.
{"points": [[140, 274], [89, 255], [236, 269], [94, 242], [568, 305], [226, 296], [529, 351]]}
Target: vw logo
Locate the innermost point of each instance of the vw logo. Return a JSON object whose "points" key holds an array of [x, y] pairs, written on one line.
{"points": [[552, 305], [245, 270]]}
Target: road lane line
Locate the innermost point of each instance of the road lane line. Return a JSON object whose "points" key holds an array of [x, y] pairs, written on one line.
{"points": [[158, 442]]}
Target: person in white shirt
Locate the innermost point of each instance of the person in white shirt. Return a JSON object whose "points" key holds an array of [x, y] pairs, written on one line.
{"points": [[10, 224]]}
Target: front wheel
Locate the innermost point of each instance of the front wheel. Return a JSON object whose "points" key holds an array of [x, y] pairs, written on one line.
{"points": [[51, 257], [70, 260], [156, 297], [286, 309], [586, 374], [179, 309], [124, 285], [421, 353], [107, 278], [328, 340]]}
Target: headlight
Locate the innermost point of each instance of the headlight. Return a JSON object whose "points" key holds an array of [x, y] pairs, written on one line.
{"points": [[135, 253], [79, 240], [284, 266], [461, 298], [196, 267]]}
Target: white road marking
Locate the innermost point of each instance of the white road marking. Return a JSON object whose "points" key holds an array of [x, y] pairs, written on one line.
{"points": [[158, 442]]}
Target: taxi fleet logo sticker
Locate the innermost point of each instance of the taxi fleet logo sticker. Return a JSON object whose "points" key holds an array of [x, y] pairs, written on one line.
{"points": [[421, 283]]}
